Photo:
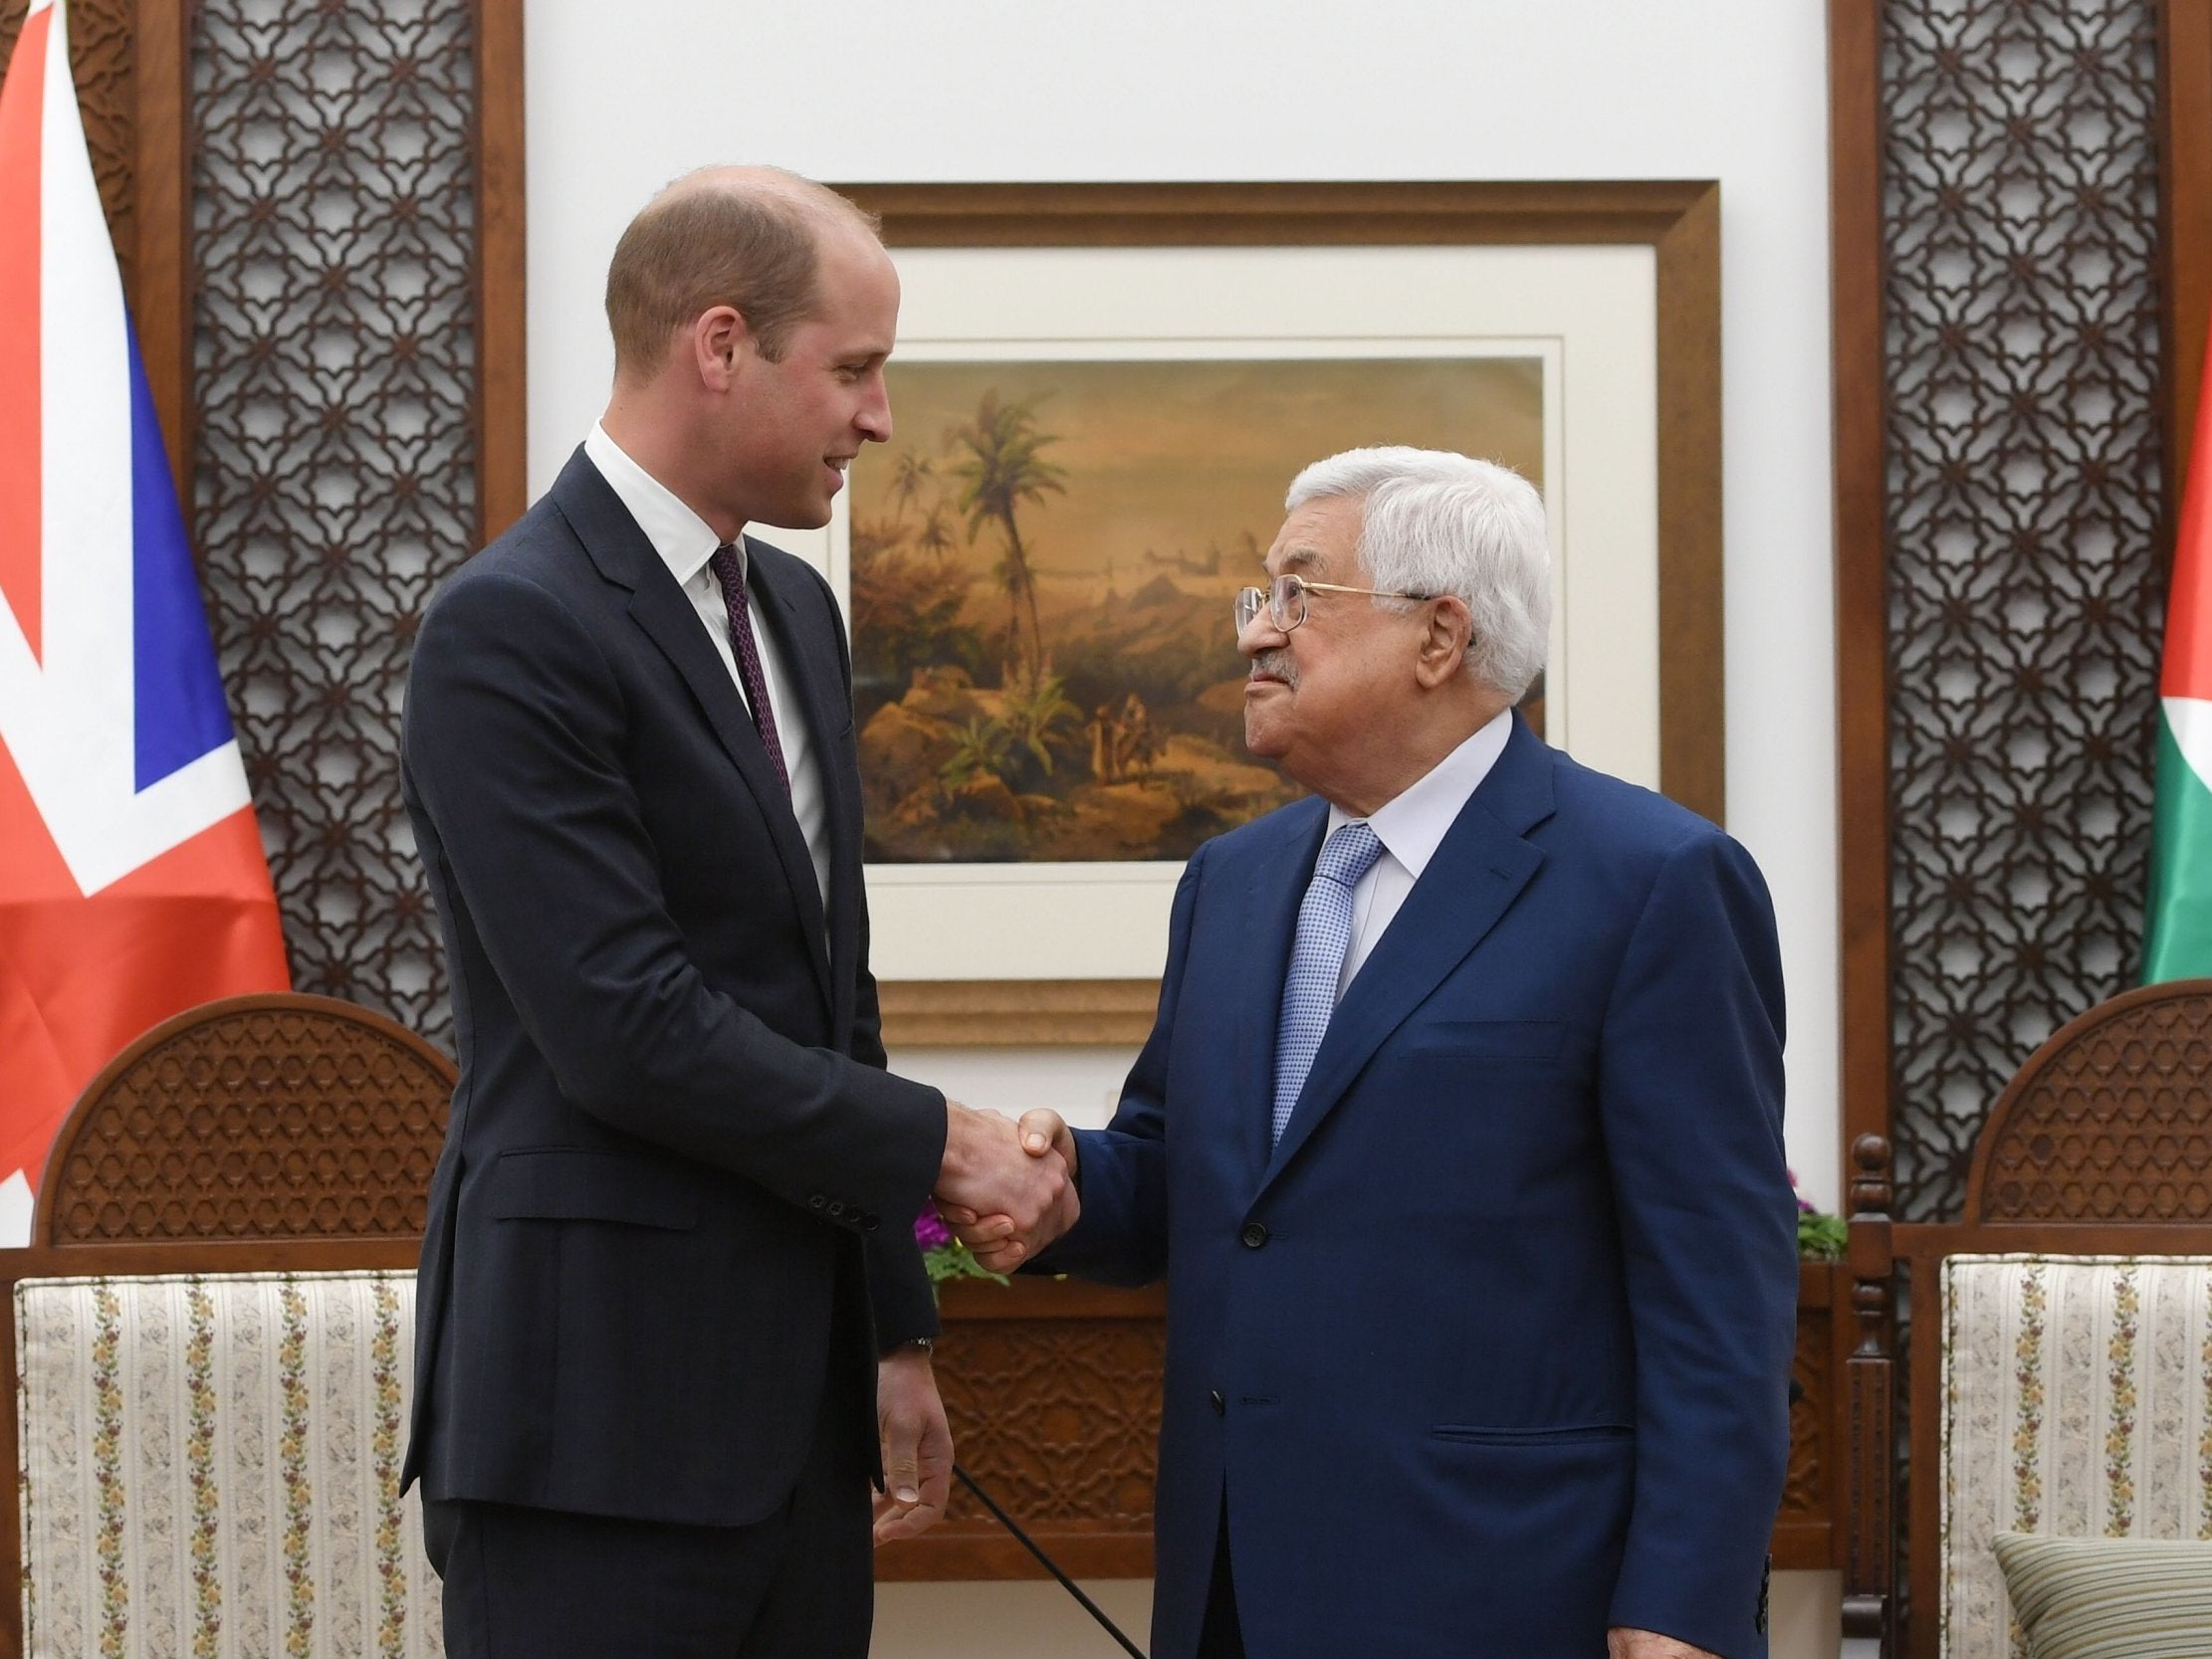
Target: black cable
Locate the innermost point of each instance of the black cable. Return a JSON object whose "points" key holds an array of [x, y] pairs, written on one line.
{"points": [[1066, 1584]]}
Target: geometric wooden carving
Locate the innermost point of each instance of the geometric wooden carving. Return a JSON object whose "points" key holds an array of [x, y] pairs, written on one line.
{"points": [[1052, 1391], [2024, 567], [335, 358], [257, 1118], [1805, 1489], [2106, 1122], [102, 61]]}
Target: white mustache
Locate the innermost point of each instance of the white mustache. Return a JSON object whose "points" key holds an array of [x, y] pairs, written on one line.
{"points": [[1278, 665]]}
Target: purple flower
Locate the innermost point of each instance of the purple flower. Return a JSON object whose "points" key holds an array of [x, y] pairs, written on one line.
{"points": [[1804, 1206], [930, 1231]]}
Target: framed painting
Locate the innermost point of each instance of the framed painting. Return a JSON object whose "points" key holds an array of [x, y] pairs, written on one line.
{"points": [[1100, 396]]}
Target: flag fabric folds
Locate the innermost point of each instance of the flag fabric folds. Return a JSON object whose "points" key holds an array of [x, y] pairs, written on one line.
{"points": [[133, 883], [2177, 932]]}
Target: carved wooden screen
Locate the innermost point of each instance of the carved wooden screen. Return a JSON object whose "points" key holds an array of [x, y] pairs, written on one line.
{"points": [[317, 208], [349, 298], [2003, 411]]}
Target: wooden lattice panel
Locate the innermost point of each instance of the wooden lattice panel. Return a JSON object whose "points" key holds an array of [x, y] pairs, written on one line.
{"points": [[2106, 1123], [103, 60], [265, 1118], [2024, 561], [336, 373]]}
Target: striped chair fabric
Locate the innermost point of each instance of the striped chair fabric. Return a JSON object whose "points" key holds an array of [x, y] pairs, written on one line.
{"points": [[210, 1469]]}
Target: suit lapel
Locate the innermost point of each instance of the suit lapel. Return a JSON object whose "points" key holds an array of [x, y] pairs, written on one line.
{"points": [[626, 557], [1478, 872]]}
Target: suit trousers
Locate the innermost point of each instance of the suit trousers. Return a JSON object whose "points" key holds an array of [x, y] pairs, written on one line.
{"points": [[535, 1583]]}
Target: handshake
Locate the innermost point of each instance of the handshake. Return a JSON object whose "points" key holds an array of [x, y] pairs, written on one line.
{"points": [[1006, 1190]]}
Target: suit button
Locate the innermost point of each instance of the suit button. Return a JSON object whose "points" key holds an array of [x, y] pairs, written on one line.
{"points": [[869, 1224], [1255, 1235], [816, 1202], [1221, 1406]]}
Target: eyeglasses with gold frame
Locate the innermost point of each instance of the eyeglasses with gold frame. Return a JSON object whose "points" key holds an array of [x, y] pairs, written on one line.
{"points": [[1285, 599]]}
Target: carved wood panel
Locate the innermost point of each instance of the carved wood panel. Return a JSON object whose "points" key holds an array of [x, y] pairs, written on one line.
{"points": [[260, 1118], [2020, 235], [2108, 1124], [1053, 1393], [336, 364], [103, 60]]}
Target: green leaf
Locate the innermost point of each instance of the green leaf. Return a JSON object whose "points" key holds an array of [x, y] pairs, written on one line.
{"points": [[1821, 1238], [955, 1261]]}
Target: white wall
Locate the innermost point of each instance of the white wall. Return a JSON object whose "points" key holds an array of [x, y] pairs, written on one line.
{"points": [[619, 100]]}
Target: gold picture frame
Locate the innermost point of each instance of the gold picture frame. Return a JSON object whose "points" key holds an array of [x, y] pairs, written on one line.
{"points": [[1094, 228]]}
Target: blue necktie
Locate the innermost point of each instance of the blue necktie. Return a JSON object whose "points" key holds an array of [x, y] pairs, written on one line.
{"points": [[1317, 960]]}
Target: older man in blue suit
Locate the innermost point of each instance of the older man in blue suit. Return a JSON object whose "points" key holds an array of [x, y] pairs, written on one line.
{"points": [[1458, 1140]]}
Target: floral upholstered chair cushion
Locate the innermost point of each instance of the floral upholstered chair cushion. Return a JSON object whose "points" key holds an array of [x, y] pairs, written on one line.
{"points": [[2077, 1402], [210, 1469]]}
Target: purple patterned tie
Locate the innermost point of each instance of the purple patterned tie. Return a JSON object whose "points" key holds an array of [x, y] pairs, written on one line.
{"points": [[725, 566]]}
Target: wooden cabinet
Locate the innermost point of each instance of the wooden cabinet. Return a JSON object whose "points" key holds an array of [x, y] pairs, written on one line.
{"points": [[1053, 1391]]}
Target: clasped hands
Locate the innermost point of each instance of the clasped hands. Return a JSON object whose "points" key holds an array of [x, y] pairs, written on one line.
{"points": [[1006, 1190]]}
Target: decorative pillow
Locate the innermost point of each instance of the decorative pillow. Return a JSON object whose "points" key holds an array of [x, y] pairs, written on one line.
{"points": [[2109, 1597]]}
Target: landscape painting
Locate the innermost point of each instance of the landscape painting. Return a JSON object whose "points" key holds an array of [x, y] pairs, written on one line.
{"points": [[1044, 562]]}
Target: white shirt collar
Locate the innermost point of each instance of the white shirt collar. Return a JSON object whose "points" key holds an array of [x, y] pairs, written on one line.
{"points": [[1413, 825], [681, 537]]}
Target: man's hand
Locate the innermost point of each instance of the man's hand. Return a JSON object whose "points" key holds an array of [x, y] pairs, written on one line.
{"points": [[917, 1446], [1624, 1643], [995, 1240], [987, 1172]]}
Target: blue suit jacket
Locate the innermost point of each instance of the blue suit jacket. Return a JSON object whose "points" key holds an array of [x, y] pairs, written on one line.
{"points": [[1491, 1352]]}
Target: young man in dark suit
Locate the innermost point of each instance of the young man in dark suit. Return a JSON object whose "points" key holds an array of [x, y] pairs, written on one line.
{"points": [[1458, 1140], [670, 1312]]}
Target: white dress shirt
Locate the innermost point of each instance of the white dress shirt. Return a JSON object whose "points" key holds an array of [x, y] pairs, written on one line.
{"points": [[1411, 827], [685, 544]]}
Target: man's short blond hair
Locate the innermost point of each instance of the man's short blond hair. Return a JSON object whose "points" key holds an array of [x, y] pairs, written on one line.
{"points": [[745, 237]]}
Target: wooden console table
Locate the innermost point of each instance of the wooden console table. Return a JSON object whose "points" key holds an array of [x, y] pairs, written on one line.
{"points": [[1053, 1391]]}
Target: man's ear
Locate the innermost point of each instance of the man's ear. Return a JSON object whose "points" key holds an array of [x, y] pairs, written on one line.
{"points": [[720, 342], [1442, 648]]}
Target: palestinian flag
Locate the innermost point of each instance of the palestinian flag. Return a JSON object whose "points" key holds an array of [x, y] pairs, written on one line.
{"points": [[2177, 932]]}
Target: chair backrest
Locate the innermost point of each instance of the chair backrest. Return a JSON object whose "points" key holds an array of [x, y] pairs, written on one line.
{"points": [[2074, 1402], [2052, 1398], [210, 1465], [200, 1187], [257, 1118]]}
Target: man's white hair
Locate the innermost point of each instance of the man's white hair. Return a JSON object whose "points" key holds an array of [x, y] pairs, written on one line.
{"points": [[1434, 523]]}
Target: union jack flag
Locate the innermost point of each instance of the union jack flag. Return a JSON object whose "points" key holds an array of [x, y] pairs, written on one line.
{"points": [[133, 883]]}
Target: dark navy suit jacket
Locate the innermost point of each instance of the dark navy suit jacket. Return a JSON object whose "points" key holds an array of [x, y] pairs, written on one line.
{"points": [[644, 1268], [1491, 1352]]}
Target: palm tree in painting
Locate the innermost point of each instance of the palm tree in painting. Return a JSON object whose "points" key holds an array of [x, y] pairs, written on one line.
{"points": [[935, 537], [910, 474], [1001, 469], [1037, 714]]}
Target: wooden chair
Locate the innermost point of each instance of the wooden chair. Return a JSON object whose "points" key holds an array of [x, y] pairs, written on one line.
{"points": [[2044, 1385], [277, 1151]]}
